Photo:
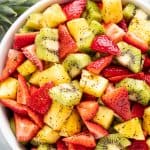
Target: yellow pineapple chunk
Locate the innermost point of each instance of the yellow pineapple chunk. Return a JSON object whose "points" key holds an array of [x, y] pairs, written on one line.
{"points": [[146, 120]]}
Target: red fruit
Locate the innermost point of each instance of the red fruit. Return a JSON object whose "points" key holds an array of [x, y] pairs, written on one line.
{"points": [[23, 94], [74, 9], [32, 89], [40, 101], [66, 43], [138, 145], [96, 129], [61, 145], [78, 147], [87, 109], [87, 97], [25, 129], [84, 138], [146, 62], [137, 111], [132, 39], [29, 52], [98, 65], [122, 24], [103, 44], [118, 101], [112, 71], [23, 39], [114, 32], [146, 78], [109, 88], [15, 58]]}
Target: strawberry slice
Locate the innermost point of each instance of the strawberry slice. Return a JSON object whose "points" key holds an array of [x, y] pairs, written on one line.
{"points": [[40, 101], [61, 145], [84, 138], [96, 129], [146, 62], [87, 97], [98, 65], [118, 101], [29, 52], [138, 145], [122, 24], [74, 9], [146, 78], [25, 128], [87, 109], [78, 147], [103, 44], [32, 89], [23, 39], [132, 39], [66, 43], [15, 58], [23, 94]]}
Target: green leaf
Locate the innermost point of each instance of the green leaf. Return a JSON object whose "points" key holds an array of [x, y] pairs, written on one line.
{"points": [[16, 2], [5, 19], [2, 31], [20, 9], [30, 2], [5, 10]]}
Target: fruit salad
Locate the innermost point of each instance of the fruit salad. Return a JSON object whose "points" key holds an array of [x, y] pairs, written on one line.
{"points": [[78, 78]]}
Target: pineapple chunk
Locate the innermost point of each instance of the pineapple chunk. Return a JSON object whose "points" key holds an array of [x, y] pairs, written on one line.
{"points": [[26, 68], [93, 84], [57, 115], [146, 120], [72, 125], [8, 88], [104, 117], [131, 129], [53, 16], [112, 11], [55, 73]]}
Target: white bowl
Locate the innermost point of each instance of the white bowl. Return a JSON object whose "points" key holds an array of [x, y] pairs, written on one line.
{"points": [[9, 139]]}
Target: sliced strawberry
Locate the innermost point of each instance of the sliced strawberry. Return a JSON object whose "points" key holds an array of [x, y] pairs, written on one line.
{"points": [[118, 101], [23, 94], [25, 128], [146, 62], [103, 44], [98, 65], [74, 9], [66, 43], [15, 58], [96, 129], [78, 147], [87, 109], [29, 52], [84, 138], [40, 101], [114, 32], [23, 39], [146, 78], [61, 145], [138, 145], [137, 110], [32, 89], [87, 97], [132, 39], [122, 24]]}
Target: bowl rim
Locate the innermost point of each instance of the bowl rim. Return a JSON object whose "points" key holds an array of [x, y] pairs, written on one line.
{"points": [[6, 43]]}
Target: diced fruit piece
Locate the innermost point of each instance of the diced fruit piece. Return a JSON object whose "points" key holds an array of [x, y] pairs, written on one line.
{"points": [[8, 88], [66, 43], [112, 11], [130, 57], [122, 24], [44, 147], [23, 39], [114, 32], [32, 89], [57, 115], [68, 94], [74, 63], [84, 138], [53, 16], [147, 78], [61, 145], [25, 129], [78, 147], [87, 109], [40, 101], [25, 29], [138, 90], [29, 52], [104, 117], [93, 84], [146, 62], [72, 125], [26, 68], [141, 14], [146, 120], [15, 58], [148, 142], [88, 97], [98, 65], [55, 73], [74, 9], [110, 88], [47, 45], [103, 44], [113, 141], [12, 125], [23, 95]]}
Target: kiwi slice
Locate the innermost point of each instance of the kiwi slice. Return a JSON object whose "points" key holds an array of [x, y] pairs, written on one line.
{"points": [[113, 142], [44, 147]]}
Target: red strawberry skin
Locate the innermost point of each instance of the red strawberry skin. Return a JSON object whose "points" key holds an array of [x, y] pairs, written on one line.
{"points": [[23, 39], [78, 147], [98, 65], [118, 101], [74, 9], [122, 24], [66, 43], [103, 44], [87, 97], [32, 89], [146, 62], [61, 145], [146, 78], [40, 101]]}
